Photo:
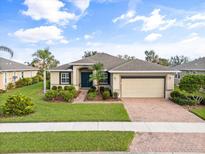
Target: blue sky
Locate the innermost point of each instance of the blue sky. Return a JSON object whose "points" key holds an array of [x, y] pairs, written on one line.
{"points": [[70, 27]]}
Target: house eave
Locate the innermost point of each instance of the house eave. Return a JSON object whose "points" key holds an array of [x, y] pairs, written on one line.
{"points": [[144, 71], [69, 70], [17, 70], [85, 64]]}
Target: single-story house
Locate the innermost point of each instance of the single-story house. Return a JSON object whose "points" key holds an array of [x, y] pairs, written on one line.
{"points": [[11, 71], [194, 67], [135, 78]]}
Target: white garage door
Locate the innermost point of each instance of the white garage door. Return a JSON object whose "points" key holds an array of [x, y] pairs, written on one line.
{"points": [[142, 87]]}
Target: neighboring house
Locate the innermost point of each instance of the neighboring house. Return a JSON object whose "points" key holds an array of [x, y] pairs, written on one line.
{"points": [[136, 78], [194, 67], [11, 71]]}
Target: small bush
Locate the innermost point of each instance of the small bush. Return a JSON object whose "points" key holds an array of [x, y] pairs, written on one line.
{"points": [[19, 83], [102, 89], [27, 81], [2, 91], [115, 95], [70, 88], [182, 98], [92, 89], [35, 79], [92, 95], [54, 88], [10, 86], [67, 96], [60, 88], [51, 95], [106, 94], [18, 105], [192, 83]]}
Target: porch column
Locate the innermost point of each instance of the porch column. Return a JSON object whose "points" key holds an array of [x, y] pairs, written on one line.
{"points": [[76, 77]]}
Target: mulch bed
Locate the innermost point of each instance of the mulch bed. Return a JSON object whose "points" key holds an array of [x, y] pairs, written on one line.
{"points": [[99, 98]]}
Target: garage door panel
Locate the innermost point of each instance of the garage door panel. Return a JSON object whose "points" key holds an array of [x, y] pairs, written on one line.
{"points": [[143, 87]]}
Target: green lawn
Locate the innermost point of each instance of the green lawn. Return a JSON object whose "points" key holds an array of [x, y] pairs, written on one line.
{"points": [[46, 111], [200, 112], [65, 141]]}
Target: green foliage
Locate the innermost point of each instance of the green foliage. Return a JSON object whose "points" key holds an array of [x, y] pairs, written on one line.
{"points": [[106, 94], [182, 98], [89, 53], [24, 82], [115, 95], [67, 96], [51, 95], [91, 95], [70, 88], [192, 83], [178, 60], [35, 79], [10, 86], [18, 105], [60, 88], [54, 88]]}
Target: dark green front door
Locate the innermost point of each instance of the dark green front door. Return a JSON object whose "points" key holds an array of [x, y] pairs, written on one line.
{"points": [[85, 83]]}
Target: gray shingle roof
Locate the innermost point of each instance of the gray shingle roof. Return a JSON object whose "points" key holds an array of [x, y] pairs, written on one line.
{"points": [[140, 65], [8, 65], [198, 64], [107, 60], [62, 67]]}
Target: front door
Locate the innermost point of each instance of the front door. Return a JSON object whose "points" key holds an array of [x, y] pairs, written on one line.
{"points": [[85, 83]]}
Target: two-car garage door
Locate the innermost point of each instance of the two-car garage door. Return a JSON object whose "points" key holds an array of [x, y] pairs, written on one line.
{"points": [[142, 87]]}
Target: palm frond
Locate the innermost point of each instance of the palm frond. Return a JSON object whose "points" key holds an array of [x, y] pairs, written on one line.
{"points": [[6, 49]]}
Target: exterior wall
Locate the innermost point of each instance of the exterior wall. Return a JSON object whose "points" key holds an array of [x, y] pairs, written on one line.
{"points": [[55, 79], [169, 81], [9, 77], [1, 81]]}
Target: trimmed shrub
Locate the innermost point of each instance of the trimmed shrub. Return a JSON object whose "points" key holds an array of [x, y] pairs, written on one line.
{"points": [[60, 88], [92, 95], [70, 88], [115, 95], [19, 83], [27, 81], [51, 95], [106, 94], [92, 89], [10, 86], [18, 105], [67, 96], [54, 88], [182, 98]]}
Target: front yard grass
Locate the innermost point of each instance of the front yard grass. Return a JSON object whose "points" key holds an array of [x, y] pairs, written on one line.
{"points": [[61, 112], [200, 112], [64, 141]]}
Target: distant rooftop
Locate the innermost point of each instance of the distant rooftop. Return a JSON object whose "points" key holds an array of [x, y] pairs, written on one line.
{"points": [[8, 65]]}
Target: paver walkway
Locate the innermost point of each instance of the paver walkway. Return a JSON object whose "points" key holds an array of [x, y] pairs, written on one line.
{"points": [[163, 127], [81, 97], [157, 110], [168, 142]]}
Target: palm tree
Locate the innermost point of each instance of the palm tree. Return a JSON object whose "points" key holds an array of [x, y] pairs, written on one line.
{"points": [[6, 49], [97, 75]]}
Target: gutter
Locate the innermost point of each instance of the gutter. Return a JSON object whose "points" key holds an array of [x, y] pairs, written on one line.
{"points": [[144, 71]]}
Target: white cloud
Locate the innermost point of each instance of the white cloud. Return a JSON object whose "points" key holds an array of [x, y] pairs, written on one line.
{"points": [[152, 22], [191, 38], [50, 10], [89, 36], [81, 4], [152, 37], [42, 33], [197, 17]]}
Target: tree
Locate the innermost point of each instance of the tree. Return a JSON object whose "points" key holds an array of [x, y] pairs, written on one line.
{"points": [[164, 62], [89, 53], [178, 60], [126, 57], [6, 49], [98, 75], [151, 56], [43, 59]]}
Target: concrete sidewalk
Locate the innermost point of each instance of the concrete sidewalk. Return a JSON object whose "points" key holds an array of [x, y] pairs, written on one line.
{"points": [[163, 127]]}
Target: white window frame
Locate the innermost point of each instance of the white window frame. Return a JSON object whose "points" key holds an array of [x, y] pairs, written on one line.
{"points": [[65, 76]]}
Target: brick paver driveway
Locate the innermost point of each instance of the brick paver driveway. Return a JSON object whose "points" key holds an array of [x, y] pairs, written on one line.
{"points": [[168, 142], [157, 110]]}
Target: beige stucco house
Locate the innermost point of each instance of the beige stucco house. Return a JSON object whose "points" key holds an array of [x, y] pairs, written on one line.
{"points": [[136, 78], [11, 71]]}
